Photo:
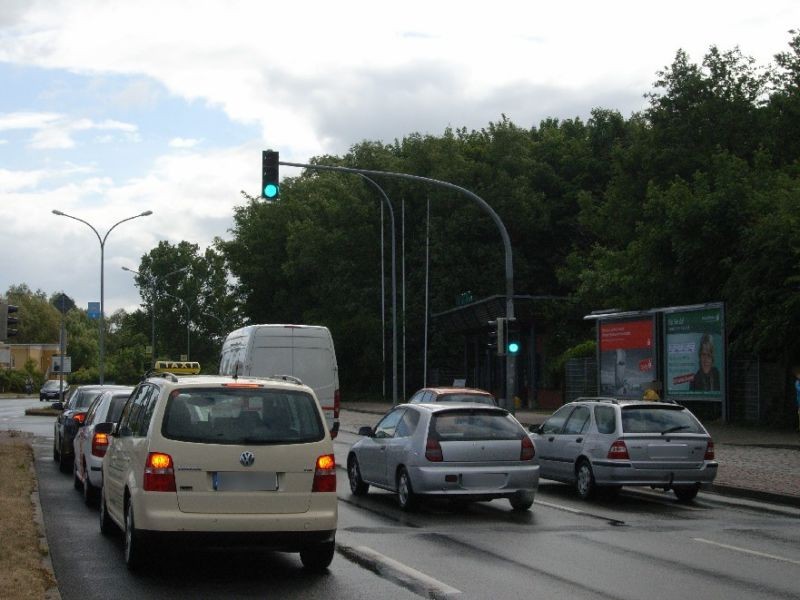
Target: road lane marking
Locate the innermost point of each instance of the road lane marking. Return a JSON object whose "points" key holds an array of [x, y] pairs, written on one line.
{"points": [[408, 577], [746, 551], [576, 511]]}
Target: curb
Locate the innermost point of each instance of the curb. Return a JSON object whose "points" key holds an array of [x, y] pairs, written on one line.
{"points": [[47, 564], [750, 494]]}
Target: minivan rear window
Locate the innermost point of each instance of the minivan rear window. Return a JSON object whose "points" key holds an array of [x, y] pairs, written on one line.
{"points": [[474, 425], [659, 419], [242, 416]]}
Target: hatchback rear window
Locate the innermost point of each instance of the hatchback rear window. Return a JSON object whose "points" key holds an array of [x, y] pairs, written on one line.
{"points": [[479, 398], [84, 398], [242, 416], [474, 425], [658, 419]]}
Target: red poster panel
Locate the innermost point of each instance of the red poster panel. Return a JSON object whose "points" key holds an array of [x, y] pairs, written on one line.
{"points": [[626, 335]]}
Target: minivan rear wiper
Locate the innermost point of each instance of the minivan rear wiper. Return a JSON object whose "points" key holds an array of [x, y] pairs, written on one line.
{"points": [[674, 429]]}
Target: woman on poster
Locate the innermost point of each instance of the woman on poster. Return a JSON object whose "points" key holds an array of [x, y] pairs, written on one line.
{"points": [[707, 377]]}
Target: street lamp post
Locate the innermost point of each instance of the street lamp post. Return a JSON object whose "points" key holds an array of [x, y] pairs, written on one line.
{"points": [[153, 280], [102, 241]]}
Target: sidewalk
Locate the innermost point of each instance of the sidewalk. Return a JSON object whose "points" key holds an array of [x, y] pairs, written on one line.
{"points": [[754, 463]]}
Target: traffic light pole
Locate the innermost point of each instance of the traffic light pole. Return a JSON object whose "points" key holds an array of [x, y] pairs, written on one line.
{"points": [[509, 267]]}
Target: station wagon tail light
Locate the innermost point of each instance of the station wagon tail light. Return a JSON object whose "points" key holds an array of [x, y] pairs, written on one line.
{"points": [[325, 474], [433, 450], [618, 450], [99, 444], [527, 452], [159, 474], [79, 417], [709, 451]]}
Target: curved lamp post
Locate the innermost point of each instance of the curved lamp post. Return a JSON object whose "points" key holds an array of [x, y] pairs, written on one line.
{"points": [[102, 241], [153, 280]]}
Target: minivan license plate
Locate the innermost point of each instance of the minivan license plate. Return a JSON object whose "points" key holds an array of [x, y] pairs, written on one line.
{"points": [[241, 481]]}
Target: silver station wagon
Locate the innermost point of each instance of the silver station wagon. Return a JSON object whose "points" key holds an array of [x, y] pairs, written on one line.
{"points": [[465, 452], [601, 444]]}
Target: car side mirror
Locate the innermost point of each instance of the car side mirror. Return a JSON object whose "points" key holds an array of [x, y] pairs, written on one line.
{"points": [[108, 428], [57, 405], [366, 431], [536, 428]]}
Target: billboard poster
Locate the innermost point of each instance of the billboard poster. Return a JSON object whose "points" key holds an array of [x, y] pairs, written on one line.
{"points": [[627, 362], [695, 354]]}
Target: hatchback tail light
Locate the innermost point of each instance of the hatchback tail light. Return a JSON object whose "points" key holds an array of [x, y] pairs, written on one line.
{"points": [[709, 451], [619, 450], [159, 474], [527, 452], [325, 474], [99, 444], [433, 450], [79, 418]]}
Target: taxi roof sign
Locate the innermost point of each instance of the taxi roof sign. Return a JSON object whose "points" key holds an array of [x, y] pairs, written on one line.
{"points": [[177, 367]]}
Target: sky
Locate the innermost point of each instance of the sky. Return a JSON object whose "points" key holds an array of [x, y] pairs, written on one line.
{"points": [[112, 108]]}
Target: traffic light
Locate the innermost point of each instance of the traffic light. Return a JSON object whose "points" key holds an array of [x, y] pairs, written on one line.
{"points": [[8, 324], [497, 335], [512, 337], [270, 186]]}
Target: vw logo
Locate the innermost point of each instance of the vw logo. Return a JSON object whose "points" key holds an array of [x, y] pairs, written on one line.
{"points": [[247, 458]]}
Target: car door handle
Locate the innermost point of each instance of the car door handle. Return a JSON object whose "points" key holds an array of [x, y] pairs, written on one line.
{"points": [[550, 439], [578, 440], [383, 448]]}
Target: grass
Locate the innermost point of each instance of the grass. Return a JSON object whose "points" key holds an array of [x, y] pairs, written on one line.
{"points": [[22, 573]]}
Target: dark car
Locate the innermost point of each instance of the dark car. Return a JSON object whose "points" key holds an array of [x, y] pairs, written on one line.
{"points": [[71, 418], [52, 390]]}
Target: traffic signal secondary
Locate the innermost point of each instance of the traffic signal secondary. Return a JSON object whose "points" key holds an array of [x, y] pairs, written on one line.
{"points": [[8, 324], [497, 335], [270, 186]]}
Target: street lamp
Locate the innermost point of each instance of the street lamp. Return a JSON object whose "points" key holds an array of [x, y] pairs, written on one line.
{"points": [[152, 279], [102, 241]]}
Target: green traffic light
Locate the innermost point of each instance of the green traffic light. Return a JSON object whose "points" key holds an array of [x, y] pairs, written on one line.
{"points": [[271, 190], [513, 347]]}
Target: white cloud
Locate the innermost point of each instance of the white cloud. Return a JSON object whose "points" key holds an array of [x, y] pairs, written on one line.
{"points": [[56, 131], [183, 142]]}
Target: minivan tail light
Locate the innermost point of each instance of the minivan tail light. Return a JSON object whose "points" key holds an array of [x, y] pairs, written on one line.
{"points": [[159, 474], [79, 417], [709, 451], [527, 452], [618, 450], [99, 444], [433, 450], [325, 474]]}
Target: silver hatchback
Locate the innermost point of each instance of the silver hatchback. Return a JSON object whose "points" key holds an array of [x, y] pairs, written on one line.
{"points": [[462, 451], [601, 444]]}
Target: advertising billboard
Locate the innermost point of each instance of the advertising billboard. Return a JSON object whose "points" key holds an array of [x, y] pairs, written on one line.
{"points": [[626, 356], [694, 351]]}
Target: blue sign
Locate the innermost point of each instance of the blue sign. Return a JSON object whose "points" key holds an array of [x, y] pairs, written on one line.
{"points": [[94, 310]]}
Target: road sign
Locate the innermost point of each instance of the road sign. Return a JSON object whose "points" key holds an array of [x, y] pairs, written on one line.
{"points": [[94, 310], [61, 364]]}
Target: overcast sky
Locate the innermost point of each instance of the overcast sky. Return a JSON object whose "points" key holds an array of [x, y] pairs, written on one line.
{"points": [[111, 108]]}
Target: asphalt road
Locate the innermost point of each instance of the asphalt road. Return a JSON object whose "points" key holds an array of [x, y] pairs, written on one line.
{"points": [[641, 545]]}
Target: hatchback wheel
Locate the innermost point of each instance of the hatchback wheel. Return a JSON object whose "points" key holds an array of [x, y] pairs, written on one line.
{"points": [[134, 545], [76, 481], [64, 463], [90, 492], [584, 481], [319, 557], [357, 485], [405, 493], [521, 501], [686, 493]]}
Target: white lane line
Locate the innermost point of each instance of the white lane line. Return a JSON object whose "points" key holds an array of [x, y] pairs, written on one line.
{"points": [[393, 569], [746, 551], [561, 507]]}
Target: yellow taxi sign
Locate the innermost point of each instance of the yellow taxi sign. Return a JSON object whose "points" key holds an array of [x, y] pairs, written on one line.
{"points": [[178, 367]]}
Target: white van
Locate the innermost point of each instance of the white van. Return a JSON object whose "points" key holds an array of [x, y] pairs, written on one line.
{"points": [[304, 351]]}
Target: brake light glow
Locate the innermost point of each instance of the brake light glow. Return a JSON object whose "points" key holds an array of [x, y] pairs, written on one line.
{"points": [[433, 450], [527, 452], [99, 444], [619, 450], [325, 474], [709, 451], [79, 417], [242, 385], [159, 474]]}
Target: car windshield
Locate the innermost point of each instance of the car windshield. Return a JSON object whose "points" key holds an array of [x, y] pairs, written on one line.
{"points": [[659, 419], [117, 404], [474, 425], [242, 416], [479, 398], [51, 384]]}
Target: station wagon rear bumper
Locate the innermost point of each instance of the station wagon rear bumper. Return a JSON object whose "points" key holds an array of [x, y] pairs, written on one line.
{"points": [[626, 473]]}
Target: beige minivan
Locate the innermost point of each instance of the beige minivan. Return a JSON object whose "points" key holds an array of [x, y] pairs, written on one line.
{"points": [[221, 460]]}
